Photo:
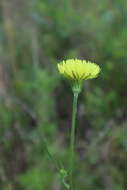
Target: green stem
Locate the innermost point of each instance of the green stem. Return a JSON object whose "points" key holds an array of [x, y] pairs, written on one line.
{"points": [[72, 138]]}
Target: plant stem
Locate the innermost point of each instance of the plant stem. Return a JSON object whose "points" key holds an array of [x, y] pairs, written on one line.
{"points": [[72, 138]]}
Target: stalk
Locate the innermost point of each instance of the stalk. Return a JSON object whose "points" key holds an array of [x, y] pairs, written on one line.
{"points": [[72, 137]]}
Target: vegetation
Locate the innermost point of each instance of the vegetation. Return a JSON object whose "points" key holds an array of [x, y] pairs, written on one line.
{"points": [[35, 103]]}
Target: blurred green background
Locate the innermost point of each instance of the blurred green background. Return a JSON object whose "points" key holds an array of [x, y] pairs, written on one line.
{"points": [[35, 103]]}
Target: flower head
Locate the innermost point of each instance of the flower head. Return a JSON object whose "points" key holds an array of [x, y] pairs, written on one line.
{"points": [[78, 70]]}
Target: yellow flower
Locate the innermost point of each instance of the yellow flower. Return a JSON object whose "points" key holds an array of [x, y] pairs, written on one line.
{"points": [[76, 69]]}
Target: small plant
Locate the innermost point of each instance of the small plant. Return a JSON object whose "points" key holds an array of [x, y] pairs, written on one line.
{"points": [[76, 71]]}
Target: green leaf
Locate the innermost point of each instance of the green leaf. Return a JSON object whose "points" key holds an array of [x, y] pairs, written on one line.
{"points": [[63, 176]]}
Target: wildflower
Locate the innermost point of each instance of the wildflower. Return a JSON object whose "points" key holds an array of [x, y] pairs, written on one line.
{"points": [[76, 69]]}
